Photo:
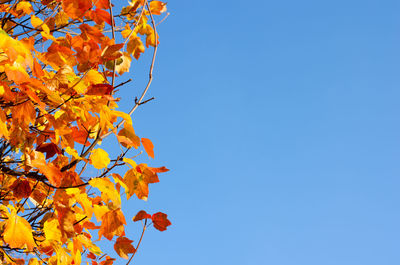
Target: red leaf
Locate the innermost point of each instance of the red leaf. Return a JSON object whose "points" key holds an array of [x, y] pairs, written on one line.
{"points": [[141, 215], [160, 221], [91, 256], [21, 189], [100, 90], [49, 148]]}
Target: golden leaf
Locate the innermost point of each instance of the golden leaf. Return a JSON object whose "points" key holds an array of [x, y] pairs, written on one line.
{"points": [[18, 232], [107, 189], [99, 158]]}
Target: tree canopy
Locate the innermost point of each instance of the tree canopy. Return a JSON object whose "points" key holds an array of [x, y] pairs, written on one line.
{"points": [[60, 61]]}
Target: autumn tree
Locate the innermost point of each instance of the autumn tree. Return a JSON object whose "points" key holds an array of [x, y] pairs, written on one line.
{"points": [[61, 63]]}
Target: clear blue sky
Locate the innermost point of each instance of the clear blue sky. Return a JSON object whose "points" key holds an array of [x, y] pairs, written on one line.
{"points": [[280, 122]]}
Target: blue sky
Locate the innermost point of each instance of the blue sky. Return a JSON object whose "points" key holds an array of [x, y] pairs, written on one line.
{"points": [[280, 123]]}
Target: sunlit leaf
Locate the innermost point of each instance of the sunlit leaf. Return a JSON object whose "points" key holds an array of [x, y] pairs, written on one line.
{"points": [[18, 232], [148, 146], [123, 247], [112, 224], [107, 189], [99, 158], [157, 7], [160, 221], [141, 215]]}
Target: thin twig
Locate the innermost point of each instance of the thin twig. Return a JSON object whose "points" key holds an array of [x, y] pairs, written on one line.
{"points": [[137, 104], [140, 240]]}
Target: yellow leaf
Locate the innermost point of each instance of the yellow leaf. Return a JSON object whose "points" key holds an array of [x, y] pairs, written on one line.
{"points": [[52, 231], [94, 77], [83, 200], [99, 211], [72, 152], [127, 30], [25, 7], [33, 261], [118, 180], [88, 244], [123, 115], [99, 158], [136, 185], [135, 46], [77, 257], [18, 232], [107, 189], [36, 22], [124, 66], [130, 162], [3, 126], [61, 19]]}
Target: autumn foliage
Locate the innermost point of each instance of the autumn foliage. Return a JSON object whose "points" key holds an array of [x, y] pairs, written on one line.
{"points": [[60, 61]]}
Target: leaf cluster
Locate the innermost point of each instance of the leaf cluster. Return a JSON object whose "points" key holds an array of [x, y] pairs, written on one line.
{"points": [[59, 61]]}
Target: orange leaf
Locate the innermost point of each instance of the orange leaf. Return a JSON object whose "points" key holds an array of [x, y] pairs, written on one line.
{"points": [[18, 232], [127, 137], [80, 136], [52, 172], [66, 218], [89, 32], [158, 169], [112, 52], [157, 7], [160, 221], [123, 246], [24, 113], [99, 16], [102, 4], [75, 9], [148, 146], [112, 224]]}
